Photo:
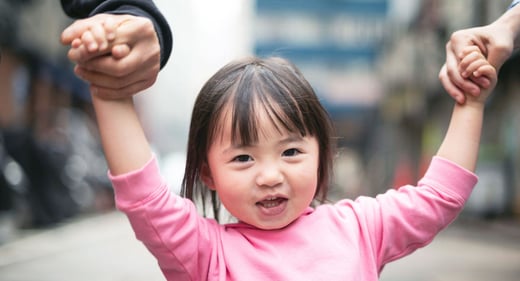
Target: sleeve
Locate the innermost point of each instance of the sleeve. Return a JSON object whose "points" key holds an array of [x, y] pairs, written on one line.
{"points": [[168, 225], [144, 8], [400, 221]]}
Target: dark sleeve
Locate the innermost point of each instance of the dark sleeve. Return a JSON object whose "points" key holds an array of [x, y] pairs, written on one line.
{"points": [[145, 8]]}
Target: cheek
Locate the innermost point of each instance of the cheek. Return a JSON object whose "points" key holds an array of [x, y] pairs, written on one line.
{"points": [[226, 183], [314, 175], [307, 178], [231, 192]]}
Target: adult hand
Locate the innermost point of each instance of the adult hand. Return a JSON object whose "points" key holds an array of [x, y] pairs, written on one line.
{"points": [[124, 63], [495, 41]]}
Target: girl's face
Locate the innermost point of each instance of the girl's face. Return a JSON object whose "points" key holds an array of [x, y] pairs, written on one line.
{"points": [[267, 184]]}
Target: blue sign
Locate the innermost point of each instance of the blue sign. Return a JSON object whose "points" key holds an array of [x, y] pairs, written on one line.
{"points": [[372, 7]]}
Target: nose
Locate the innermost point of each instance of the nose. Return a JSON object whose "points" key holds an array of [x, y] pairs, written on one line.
{"points": [[270, 175]]}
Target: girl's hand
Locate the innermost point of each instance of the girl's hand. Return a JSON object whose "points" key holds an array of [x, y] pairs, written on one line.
{"points": [[476, 67]]}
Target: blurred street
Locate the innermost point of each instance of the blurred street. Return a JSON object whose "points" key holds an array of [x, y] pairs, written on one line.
{"points": [[102, 247], [99, 248], [467, 250], [373, 64]]}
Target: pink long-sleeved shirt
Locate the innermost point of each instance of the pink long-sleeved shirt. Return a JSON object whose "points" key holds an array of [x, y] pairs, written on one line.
{"points": [[349, 240]]}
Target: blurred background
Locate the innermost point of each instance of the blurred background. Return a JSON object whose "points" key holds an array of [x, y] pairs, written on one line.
{"points": [[373, 63]]}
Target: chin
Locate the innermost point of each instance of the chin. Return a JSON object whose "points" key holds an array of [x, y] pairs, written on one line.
{"points": [[272, 225]]}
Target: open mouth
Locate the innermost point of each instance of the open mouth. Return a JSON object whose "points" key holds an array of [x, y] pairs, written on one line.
{"points": [[271, 202], [272, 206]]}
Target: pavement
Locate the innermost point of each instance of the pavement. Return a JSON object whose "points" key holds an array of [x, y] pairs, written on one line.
{"points": [[468, 250], [102, 247]]}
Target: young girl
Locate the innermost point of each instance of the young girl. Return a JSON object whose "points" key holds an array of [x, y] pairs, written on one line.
{"points": [[262, 142]]}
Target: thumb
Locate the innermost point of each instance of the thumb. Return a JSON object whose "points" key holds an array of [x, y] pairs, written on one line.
{"points": [[120, 51]]}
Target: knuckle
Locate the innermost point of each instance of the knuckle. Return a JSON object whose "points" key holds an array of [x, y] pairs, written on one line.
{"points": [[146, 27]]}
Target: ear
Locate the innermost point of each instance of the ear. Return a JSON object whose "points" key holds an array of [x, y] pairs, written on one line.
{"points": [[205, 176]]}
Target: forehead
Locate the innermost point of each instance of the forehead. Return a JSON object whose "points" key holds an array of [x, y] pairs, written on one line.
{"points": [[243, 129], [261, 99]]}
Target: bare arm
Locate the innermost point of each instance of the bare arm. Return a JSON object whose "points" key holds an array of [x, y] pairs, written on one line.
{"points": [[124, 142], [461, 143]]}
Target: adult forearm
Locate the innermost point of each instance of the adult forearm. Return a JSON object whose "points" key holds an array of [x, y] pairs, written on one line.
{"points": [[461, 143], [510, 21]]}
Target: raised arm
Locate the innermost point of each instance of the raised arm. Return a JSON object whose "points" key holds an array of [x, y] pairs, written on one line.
{"points": [[124, 142], [461, 143]]}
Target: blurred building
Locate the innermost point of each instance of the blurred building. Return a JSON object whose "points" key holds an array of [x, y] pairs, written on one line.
{"points": [[375, 66], [417, 109], [51, 164]]}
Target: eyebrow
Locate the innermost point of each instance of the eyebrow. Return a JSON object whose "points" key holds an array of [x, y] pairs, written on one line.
{"points": [[289, 139]]}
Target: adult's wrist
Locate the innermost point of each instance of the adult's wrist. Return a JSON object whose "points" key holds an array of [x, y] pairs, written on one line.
{"points": [[511, 21]]}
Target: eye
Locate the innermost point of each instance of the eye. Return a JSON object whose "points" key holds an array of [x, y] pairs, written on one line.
{"points": [[291, 152], [242, 158]]}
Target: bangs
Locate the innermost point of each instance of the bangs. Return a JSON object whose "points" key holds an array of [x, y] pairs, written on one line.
{"points": [[259, 92]]}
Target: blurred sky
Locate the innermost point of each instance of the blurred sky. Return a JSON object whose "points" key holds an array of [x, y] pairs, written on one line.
{"points": [[205, 38]]}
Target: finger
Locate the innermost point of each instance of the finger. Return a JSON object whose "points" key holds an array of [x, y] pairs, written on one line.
{"points": [[81, 55], [467, 50], [459, 40], [481, 80], [484, 74], [72, 32], [110, 26], [134, 30], [99, 35], [89, 41], [106, 66], [76, 43], [485, 71], [77, 28], [112, 82], [100, 79], [472, 66], [467, 61], [134, 62], [120, 51], [455, 78], [463, 39], [481, 73], [451, 88], [77, 54]]}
